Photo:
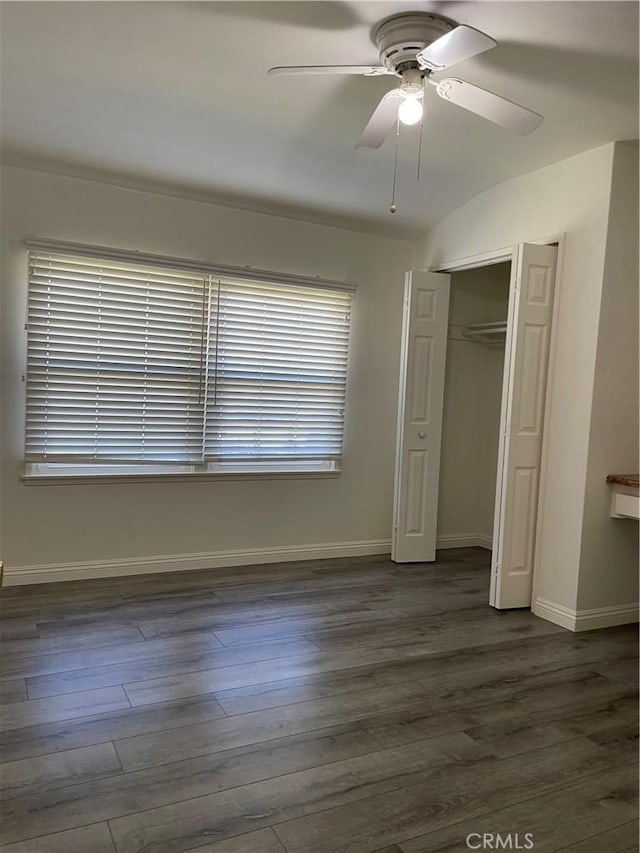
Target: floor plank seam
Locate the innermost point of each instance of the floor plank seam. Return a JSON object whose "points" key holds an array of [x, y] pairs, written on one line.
{"points": [[274, 829], [113, 841]]}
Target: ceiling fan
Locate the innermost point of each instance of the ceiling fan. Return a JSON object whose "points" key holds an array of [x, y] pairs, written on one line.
{"points": [[414, 46]]}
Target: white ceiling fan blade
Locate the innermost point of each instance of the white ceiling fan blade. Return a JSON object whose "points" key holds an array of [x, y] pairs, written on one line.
{"points": [[383, 119], [487, 105], [455, 46], [366, 70]]}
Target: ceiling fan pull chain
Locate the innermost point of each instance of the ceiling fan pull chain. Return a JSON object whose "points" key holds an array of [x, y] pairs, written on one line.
{"points": [[424, 92], [393, 207]]}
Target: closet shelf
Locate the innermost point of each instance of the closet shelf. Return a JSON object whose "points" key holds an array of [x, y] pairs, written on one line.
{"points": [[494, 332]]}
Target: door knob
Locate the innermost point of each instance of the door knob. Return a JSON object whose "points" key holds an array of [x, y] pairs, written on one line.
{"points": [[421, 434]]}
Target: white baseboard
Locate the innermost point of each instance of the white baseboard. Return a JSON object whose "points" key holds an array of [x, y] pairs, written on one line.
{"points": [[556, 613], [464, 540], [585, 620], [14, 575], [606, 617]]}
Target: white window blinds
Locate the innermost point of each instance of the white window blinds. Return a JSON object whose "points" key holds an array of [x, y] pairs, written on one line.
{"points": [[133, 363], [276, 387]]}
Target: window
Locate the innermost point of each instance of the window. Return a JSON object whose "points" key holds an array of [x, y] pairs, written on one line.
{"points": [[141, 365]]}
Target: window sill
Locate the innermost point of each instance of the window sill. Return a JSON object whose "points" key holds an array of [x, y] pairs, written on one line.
{"points": [[90, 476]]}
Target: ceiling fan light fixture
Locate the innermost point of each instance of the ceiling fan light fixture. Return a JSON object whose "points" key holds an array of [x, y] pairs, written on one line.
{"points": [[410, 111], [412, 46]]}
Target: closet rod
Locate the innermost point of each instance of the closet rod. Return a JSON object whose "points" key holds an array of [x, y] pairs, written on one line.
{"points": [[480, 332]]}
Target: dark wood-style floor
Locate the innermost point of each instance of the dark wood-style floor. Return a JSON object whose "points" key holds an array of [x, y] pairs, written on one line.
{"points": [[341, 705]]}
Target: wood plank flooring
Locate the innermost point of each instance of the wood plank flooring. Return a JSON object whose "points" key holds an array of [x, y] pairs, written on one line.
{"points": [[337, 706]]}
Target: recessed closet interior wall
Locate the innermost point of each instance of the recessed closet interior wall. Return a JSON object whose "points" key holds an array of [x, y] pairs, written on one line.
{"points": [[472, 399]]}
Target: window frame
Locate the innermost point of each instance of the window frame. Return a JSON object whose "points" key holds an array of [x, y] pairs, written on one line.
{"points": [[44, 473]]}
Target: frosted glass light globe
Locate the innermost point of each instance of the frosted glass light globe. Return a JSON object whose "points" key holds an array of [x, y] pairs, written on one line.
{"points": [[410, 111]]}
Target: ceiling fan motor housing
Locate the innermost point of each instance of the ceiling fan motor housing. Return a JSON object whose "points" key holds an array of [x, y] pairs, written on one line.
{"points": [[402, 37]]}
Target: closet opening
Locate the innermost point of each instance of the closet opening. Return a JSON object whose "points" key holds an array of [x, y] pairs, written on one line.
{"points": [[473, 386]]}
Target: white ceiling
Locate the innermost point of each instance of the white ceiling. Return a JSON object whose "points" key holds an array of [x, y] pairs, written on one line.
{"points": [[174, 96]]}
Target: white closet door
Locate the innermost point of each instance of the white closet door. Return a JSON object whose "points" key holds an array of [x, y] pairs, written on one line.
{"points": [[525, 379], [422, 372]]}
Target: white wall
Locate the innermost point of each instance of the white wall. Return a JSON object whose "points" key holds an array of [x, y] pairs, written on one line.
{"points": [[472, 396], [571, 197], [609, 566], [74, 523]]}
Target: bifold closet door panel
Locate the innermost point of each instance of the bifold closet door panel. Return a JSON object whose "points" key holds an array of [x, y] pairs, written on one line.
{"points": [[526, 365], [422, 375]]}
